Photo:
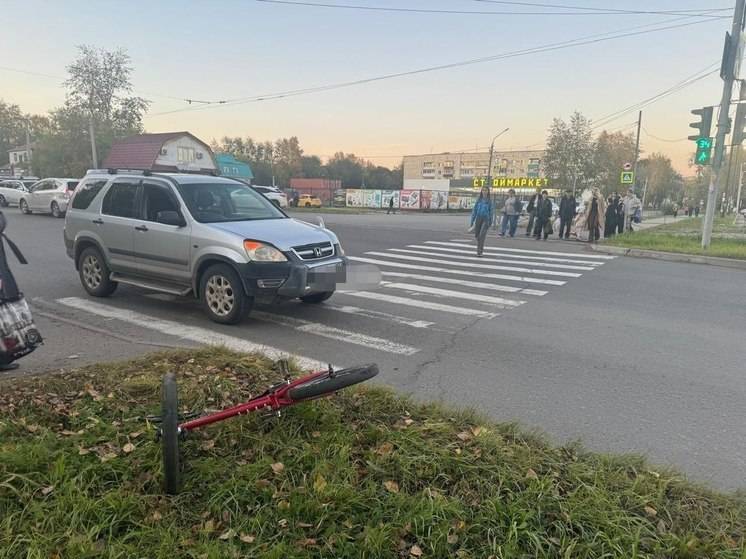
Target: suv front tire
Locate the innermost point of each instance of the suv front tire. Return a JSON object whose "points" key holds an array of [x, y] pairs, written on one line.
{"points": [[94, 273], [222, 295]]}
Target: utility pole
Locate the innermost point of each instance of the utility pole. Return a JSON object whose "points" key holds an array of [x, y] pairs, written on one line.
{"points": [[92, 133], [730, 67], [637, 144], [740, 186], [489, 174], [28, 148]]}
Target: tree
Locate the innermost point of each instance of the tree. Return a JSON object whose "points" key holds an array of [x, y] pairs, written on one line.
{"points": [[611, 152], [98, 85], [663, 182], [13, 127], [569, 157], [311, 167], [346, 168]]}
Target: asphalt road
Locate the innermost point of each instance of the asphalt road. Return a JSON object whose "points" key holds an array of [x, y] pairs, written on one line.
{"points": [[626, 355]]}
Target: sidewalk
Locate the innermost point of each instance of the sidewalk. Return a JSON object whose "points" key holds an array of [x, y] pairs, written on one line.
{"points": [[657, 221]]}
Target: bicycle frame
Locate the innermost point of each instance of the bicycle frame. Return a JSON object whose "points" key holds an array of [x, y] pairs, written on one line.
{"points": [[274, 399]]}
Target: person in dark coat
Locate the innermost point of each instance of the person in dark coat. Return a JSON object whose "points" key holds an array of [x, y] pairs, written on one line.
{"points": [[8, 286], [567, 211], [543, 216], [611, 213], [531, 209], [619, 214]]}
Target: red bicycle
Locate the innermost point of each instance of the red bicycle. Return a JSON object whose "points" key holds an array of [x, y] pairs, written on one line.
{"points": [[283, 395]]}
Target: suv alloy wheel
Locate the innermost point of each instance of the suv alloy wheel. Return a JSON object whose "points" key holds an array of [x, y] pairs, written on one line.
{"points": [[94, 273], [222, 295]]}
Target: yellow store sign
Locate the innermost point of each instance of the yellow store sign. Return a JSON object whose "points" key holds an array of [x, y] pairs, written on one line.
{"points": [[504, 182]]}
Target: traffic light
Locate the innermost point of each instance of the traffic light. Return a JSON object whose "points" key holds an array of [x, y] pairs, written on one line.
{"points": [[704, 126], [704, 151], [739, 125]]}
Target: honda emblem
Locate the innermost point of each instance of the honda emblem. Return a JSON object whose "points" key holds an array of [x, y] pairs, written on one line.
{"points": [[317, 252]]}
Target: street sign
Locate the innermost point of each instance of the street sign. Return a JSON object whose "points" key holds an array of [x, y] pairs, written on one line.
{"points": [[628, 166], [628, 177]]}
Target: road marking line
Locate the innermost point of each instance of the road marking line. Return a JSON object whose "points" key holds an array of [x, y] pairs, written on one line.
{"points": [[368, 313], [346, 336], [506, 255], [192, 333], [500, 301], [480, 266], [480, 275], [385, 297], [486, 258], [466, 283], [524, 251]]}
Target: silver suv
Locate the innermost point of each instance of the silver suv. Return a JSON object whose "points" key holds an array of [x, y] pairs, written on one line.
{"points": [[214, 238]]}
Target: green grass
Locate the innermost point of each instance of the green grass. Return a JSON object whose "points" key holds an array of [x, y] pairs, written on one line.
{"points": [[728, 241], [366, 474]]}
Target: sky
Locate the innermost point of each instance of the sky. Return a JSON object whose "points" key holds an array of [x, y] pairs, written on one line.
{"points": [[234, 49]]}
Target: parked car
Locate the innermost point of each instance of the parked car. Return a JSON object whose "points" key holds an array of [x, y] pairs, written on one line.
{"points": [[49, 196], [214, 238], [274, 194], [11, 191], [309, 201]]}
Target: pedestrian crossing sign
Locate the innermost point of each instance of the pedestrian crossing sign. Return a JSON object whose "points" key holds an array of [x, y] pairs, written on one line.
{"points": [[628, 177]]}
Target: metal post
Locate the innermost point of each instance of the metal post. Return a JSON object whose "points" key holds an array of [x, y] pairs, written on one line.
{"points": [[644, 192], [722, 125], [92, 133], [740, 186], [637, 145], [489, 176]]}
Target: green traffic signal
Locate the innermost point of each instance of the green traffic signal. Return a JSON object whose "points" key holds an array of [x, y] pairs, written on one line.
{"points": [[704, 143]]}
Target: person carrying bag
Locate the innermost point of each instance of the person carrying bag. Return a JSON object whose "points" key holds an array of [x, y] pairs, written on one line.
{"points": [[18, 333]]}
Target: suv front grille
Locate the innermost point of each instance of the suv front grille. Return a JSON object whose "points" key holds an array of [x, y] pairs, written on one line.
{"points": [[314, 251]]}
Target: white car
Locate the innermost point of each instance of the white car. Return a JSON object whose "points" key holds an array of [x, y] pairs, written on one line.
{"points": [[49, 196], [274, 194], [11, 191]]}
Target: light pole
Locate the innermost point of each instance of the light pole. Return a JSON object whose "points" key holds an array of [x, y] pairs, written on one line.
{"points": [[489, 173]]}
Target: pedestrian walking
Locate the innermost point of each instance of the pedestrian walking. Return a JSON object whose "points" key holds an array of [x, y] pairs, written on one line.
{"points": [[696, 211], [631, 205], [567, 211], [481, 218], [511, 211], [531, 209], [596, 215], [391, 206], [543, 216], [611, 215], [619, 214]]}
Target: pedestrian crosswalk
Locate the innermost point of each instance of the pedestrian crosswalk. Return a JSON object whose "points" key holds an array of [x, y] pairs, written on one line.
{"points": [[436, 286]]}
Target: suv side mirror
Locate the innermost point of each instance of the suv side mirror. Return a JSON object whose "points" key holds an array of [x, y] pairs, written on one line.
{"points": [[168, 217]]}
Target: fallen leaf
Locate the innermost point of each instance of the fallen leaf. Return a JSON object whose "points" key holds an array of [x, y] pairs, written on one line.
{"points": [[316, 434], [68, 433], [108, 456], [415, 551], [209, 526], [246, 538], [385, 449], [47, 490], [651, 512], [282, 523], [278, 467], [457, 450], [319, 484], [661, 527], [156, 516], [83, 451], [129, 447], [135, 434], [555, 541], [263, 483], [304, 525], [283, 505], [408, 422], [464, 436], [459, 525], [531, 474], [452, 539], [476, 431], [307, 542], [391, 486], [227, 535]]}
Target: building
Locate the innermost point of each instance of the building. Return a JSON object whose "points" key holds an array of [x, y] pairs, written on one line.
{"points": [[467, 166], [19, 161], [166, 151], [229, 166], [321, 188]]}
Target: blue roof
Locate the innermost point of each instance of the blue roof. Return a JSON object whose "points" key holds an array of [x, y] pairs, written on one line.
{"points": [[229, 166]]}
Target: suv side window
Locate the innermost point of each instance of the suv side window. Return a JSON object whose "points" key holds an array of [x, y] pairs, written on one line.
{"points": [[157, 198], [121, 199], [39, 186], [87, 192]]}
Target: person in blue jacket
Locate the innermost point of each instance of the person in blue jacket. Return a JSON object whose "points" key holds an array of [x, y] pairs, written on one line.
{"points": [[481, 217]]}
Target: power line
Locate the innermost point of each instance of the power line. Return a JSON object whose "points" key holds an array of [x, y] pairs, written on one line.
{"points": [[581, 41], [703, 11], [591, 12], [664, 139]]}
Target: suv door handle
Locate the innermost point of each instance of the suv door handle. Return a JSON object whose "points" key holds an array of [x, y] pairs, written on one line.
{"points": [[141, 228], [98, 221]]}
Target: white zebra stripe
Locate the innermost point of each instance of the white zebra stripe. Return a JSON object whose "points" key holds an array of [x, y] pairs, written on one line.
{"points": [[420, 304], [487, 258], [501, 254], [524, 251], [466, 283], [499, 301]]}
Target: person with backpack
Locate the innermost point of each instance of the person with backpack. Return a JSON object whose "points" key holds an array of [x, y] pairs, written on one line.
{"points": [[481, 218], [511, 211]]}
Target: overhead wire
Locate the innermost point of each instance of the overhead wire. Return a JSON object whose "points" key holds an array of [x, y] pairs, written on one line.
{"points": [[580, 41], [364, 7], [698, 11]]}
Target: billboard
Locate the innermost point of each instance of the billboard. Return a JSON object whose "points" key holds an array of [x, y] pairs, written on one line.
{"points": [[409, 200], [386, 195], [434, 199], [461, 202], [355, 198]]}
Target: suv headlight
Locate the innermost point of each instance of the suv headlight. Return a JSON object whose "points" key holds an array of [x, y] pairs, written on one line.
{"points": [[262, 252]]}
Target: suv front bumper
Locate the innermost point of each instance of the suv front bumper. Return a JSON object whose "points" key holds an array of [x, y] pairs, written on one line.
{"points": [[294, 278]]}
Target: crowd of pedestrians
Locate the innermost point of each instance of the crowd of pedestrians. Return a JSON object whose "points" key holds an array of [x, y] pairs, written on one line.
{"points": [[592, 219]]}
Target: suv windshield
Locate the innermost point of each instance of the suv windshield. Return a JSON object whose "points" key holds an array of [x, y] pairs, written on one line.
{"points": [[228, 201]]}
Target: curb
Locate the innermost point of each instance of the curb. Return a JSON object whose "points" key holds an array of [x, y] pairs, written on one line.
{"points": [[672, 256]]}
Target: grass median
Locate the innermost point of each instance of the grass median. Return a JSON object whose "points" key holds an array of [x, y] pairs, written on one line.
{"points": [[728, 240], [365, 474]]}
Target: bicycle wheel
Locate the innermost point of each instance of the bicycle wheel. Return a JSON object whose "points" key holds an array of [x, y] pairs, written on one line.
{"points": [[170, 434], [327, 384]]}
